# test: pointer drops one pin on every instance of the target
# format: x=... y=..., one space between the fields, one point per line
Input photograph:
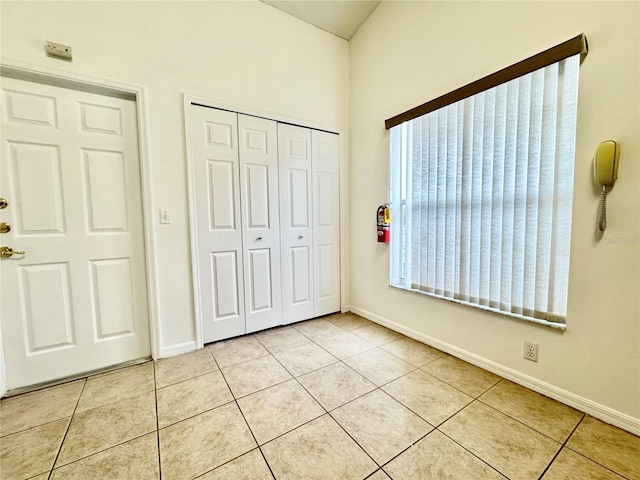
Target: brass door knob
x=5 y=227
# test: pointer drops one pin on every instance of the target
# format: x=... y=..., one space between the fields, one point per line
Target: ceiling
x=340 y=17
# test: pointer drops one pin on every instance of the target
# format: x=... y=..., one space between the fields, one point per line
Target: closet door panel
x=225 y=289
x=260 y=221
x=296 y=229
x=219 y=236
x=300 y=275
x=326 y=222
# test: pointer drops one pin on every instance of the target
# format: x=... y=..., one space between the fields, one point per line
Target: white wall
x=243 y=53
x=411 y=52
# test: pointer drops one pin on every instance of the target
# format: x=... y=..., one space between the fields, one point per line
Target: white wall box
x=265 y=222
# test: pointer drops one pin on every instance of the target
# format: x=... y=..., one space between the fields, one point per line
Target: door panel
x=219 y=235
x=325 y=286
x=222 y=204
x=257 y=184
x=260 y=221
x=300 y=276
x=326 y=222
x=106 y=191
x=226 y=286
x=113 y=298
x=295 y=219
x=100 y=119
x=299 y=198
x=37 y=188
x=261 y=294
x=46 y=297
x=77 y=300
x=30 y=108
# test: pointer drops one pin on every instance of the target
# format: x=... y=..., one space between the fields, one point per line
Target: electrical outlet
x=530 y=351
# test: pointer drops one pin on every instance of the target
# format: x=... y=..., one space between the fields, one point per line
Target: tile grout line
x=183 y=381
x=453 y=386
x=88 y=410
x=462 y=446
x=562 y=445
x=327 y=412
x=596 y=462
x=53 y=465
x=266 y=462
x=235 y=400
x=473 y=454
x=89 y=377
x=379 y=387
x=434 y=428
x=522 y=422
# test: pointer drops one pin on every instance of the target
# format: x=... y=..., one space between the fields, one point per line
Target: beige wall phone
x=605 y=170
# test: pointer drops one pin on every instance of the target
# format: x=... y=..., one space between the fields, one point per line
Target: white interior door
x=218 y=222
x=258 y=144
x=76 y=300
x=294 y=155
x=326 y=222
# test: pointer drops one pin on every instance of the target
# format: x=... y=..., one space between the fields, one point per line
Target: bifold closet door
x=218 y=222
x=294 y=155
x=326 y=222
x=257 y=140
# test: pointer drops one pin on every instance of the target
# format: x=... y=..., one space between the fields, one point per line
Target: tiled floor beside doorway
x=333 y=398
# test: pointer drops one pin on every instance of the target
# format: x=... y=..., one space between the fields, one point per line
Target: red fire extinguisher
x=383 y=221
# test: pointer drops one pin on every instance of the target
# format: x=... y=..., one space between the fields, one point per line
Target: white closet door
x=218 y=222
x=258 y=143
x=76 y=300
x=326 y=222
x=294 y=155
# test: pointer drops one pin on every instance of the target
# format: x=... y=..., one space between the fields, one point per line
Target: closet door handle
x=259 y=238
x=300 y=237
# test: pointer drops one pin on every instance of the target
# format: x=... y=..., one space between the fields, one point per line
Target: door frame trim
x=114 y=88
x=188 y=100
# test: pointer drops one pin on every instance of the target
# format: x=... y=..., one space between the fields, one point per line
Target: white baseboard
x=601 y=412
x=178 y=349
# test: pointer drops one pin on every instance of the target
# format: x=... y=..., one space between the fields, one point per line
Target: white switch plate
x=165 y=216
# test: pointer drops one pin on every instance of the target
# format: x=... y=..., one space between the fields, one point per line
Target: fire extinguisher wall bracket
x=383 y=218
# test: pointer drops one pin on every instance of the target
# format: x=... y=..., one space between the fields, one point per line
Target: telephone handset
x=605 y=172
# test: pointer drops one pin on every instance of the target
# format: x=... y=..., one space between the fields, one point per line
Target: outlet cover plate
x=530 y=351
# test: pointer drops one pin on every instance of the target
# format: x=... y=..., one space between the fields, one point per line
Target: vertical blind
x=481 y=192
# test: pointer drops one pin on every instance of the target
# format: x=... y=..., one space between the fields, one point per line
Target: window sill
x=545 y=323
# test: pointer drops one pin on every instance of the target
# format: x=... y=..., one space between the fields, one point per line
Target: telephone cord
x=602 y=210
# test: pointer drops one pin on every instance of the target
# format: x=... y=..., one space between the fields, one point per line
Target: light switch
x=165 y=216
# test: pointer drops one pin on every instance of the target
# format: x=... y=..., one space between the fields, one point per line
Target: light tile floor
x=331 y=398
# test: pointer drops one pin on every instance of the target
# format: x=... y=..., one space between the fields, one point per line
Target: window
x=481 y=194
